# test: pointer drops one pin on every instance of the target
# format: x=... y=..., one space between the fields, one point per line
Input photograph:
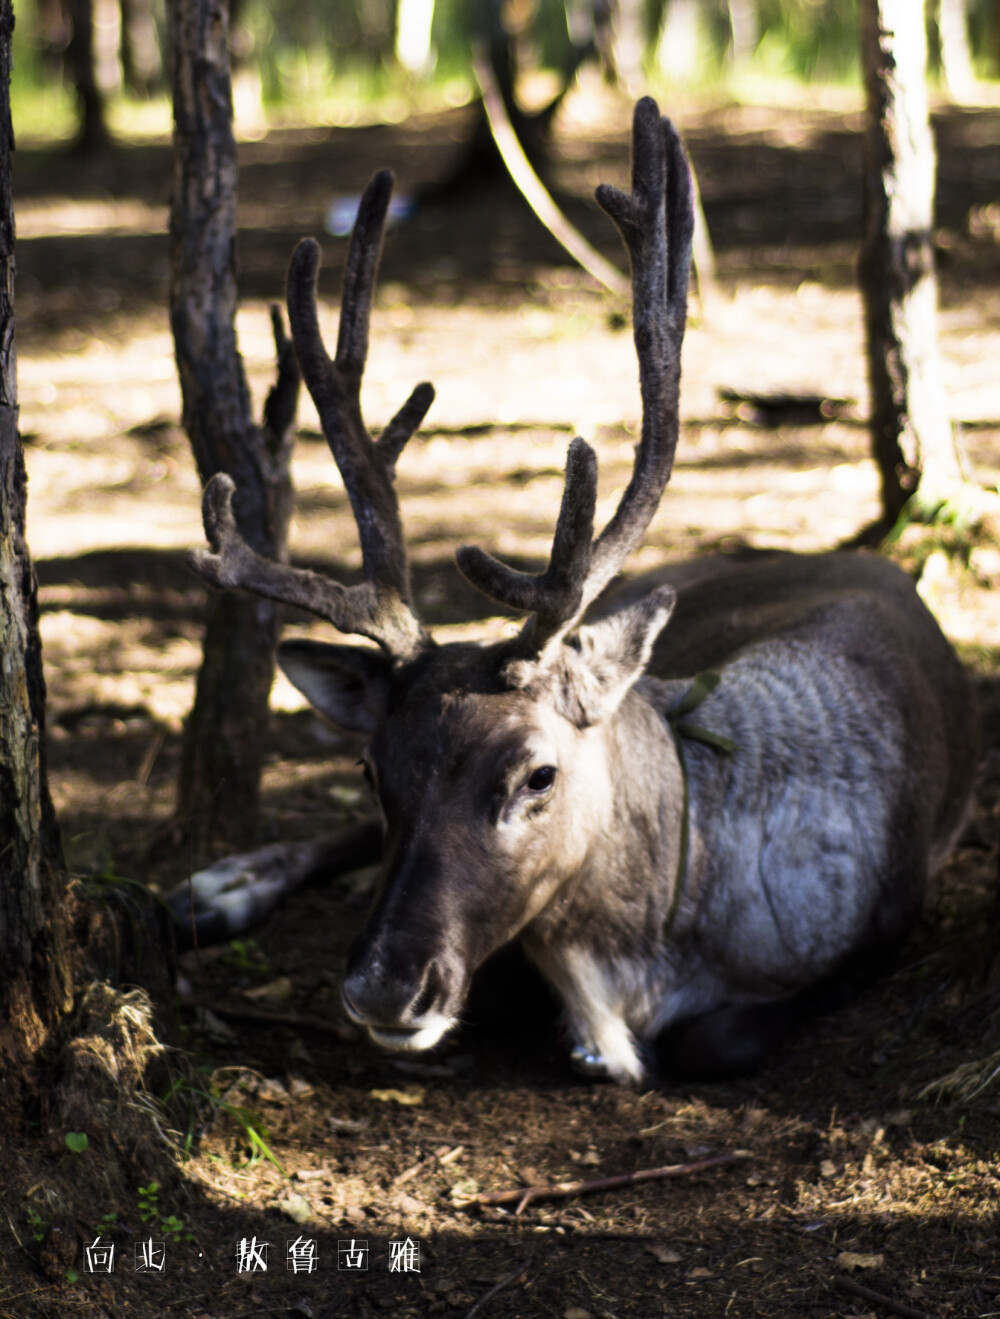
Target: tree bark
x=220 y=773
x=957 y=72
x=744 y=30
x=36 y=984
x=912 y=438
x=679 y=48
x=140 y=47
x=629 y=45
x=92 y=132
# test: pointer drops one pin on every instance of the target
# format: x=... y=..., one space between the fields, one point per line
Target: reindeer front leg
x=237 y=892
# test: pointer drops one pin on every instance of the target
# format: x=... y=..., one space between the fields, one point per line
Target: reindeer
x=705 y=809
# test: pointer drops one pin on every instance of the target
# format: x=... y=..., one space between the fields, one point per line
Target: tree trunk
x=957 y=72
x=679 y=51
x=81 y=60
x=629 y=45
x=413 y=39
x=744 y=30
x=36 y=984
x=912 y=437
x=220 y=773
x=140 y=47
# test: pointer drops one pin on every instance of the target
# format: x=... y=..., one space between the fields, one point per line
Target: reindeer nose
x=392 y=993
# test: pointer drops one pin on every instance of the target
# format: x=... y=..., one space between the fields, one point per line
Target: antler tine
x=405 y=423
x=655 y=219
x=548 y=594
x=381 y=607
x=233 y=565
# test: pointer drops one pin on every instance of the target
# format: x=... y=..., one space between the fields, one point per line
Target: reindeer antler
x=381 y=607
x=656 y=222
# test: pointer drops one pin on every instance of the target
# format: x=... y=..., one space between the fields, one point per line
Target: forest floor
x=849 y=1171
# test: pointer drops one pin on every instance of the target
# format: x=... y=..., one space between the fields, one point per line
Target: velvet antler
x=381 y=607
x=656 y=221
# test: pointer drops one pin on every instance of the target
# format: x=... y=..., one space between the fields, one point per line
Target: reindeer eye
x=542 y=779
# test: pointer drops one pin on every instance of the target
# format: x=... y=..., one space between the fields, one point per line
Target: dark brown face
x=476 y=787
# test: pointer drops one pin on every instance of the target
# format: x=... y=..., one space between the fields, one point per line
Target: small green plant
x=149 y=1207
x=245 y=955
x=107 y=875
x=153 y=1216
x=71 y=1275
x=76 y=1141
x=255 y=1132
x=37 y=1224
x=174 y=1228
x=107 y=1223
x=213 y=1097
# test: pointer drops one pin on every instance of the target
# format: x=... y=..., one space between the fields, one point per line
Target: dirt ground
x=854 y=1191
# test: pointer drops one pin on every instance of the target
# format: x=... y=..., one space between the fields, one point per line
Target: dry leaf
x=848 y=1260
x=828 y=1168
x=464 y=1192
x=664 y=1255
x=414 y=1094
x=700 y=1273
x=347 y=1124
x=297 y=1207
x=271 y=1091
x=574 y=1312
x=275 y=991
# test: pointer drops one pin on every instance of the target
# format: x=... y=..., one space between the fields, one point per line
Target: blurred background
x=349 y=61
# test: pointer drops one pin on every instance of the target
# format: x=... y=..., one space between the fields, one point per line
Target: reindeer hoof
x=587 y=1063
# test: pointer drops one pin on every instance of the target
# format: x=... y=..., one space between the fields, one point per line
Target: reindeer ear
x=612 y=654
x=347 y=684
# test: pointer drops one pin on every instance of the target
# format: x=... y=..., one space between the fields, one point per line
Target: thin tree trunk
x=679 y=49
x=744 y=30
x=629 y=45
x=36 y=983
x=140 y=47
x=413 y=44
x=220 y=773
x=81 y=60
x=957 y=72
x=912 y=438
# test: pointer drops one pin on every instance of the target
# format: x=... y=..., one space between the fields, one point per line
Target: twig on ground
x=412 y=1171
x=497 y=1287
x=149 y=759
x=342 y=1030
x=523 y=1195
x=879 y=1298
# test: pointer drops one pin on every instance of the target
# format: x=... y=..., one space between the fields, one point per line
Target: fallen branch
x=497 y=1287
x=533 y=190
x=879 y=1298
x=296 y=1020
x=523 y=1195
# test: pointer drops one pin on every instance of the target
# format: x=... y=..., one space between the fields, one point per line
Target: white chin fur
x=414 y=1041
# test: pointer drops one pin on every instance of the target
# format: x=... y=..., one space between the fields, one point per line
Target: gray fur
x=855 y=749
